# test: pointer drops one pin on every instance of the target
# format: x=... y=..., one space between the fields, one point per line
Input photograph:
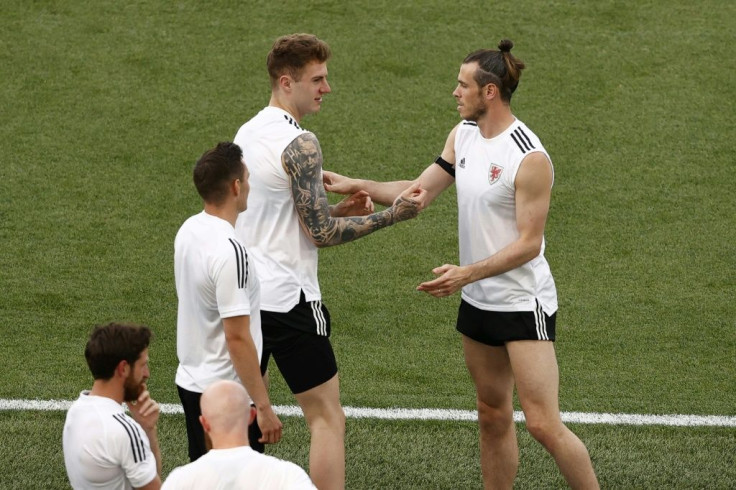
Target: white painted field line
x=434 y=414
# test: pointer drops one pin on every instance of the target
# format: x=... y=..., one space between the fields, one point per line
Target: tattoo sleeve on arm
x=302 y=161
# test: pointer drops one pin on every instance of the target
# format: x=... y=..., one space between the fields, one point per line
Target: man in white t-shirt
x=231 y=463
x=104 y=447
x=287 y=220
x=218 y=322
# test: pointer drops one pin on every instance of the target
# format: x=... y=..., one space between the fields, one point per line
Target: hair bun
x=505 y=45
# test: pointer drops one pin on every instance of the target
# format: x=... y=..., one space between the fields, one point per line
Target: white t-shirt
x=238 y=468
x=285 y=257
x=485 y=174
x=215 y=279
x=105 y=448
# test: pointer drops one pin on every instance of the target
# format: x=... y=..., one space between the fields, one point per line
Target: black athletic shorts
x=498 y=327
x=299 y=343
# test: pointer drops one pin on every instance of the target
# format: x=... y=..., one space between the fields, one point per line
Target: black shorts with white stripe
x=495 y=328
x=307 y=316
x=299 y=343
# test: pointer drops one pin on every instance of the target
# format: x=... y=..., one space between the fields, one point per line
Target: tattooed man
x=287 y=220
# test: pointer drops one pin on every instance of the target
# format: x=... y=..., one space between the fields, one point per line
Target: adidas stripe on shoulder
x=241 y=258
x=522 y=140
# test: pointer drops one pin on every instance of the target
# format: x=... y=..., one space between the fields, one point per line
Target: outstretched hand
x=339 y=184
x=451 y=279
x=359 y=204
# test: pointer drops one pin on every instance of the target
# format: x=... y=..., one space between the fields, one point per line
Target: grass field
x=106 y=106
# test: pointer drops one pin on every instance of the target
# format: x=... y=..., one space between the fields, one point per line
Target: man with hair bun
x=508 y=304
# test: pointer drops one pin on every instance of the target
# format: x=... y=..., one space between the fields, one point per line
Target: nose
x=326 y=88
x=455 y=92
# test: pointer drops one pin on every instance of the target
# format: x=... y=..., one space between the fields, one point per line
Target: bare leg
x=494 y=383
x=326 y=421
x=537 y=382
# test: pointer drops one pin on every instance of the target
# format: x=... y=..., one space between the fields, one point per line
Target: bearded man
x=103 y=446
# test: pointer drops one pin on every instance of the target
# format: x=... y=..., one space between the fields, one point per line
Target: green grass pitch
x=105 y=106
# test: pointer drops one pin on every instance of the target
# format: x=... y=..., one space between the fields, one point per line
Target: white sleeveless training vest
x=485 y=171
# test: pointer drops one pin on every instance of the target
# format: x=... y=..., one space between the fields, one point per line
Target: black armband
x=446 y=166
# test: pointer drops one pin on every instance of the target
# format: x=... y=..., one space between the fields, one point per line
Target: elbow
x=532 y=251
x=535 y=251
x=233 y=340
x=324 y=235
x=319 y=240
x=327 y=233
x=320 y=243
x=316 y=235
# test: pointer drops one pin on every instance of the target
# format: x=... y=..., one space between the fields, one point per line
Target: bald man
x=231 y=463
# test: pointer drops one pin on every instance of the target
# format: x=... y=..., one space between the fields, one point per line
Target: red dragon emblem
x=494 y=174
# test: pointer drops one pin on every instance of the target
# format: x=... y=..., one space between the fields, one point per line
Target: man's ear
x=490 y=91
x=123 y=369
x=252 y=415
x=285 y=82
x=205 y=424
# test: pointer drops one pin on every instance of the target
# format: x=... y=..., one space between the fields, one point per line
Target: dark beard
x=131 y=390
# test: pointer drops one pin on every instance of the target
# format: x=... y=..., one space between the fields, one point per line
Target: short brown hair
x=114 y=342
x=500 y=68
x=215 y=169
x=291 y=53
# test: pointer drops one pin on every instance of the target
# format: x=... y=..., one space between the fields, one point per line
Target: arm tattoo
x=302 y=161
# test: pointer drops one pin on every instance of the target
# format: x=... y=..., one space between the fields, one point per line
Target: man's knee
x=494 y=419
x=332 y=417
x=325 y=415
x=546 y=430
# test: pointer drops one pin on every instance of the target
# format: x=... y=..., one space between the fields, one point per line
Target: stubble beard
x=477 y=114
